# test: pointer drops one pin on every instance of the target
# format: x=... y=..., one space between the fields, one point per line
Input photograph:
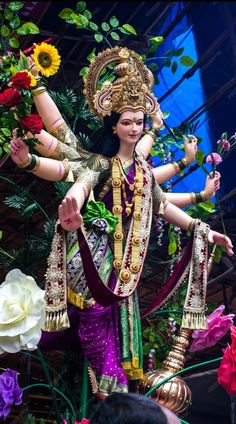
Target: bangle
x=34 y=165
x=38 y=90
x=151 y=134
x=66 y=170
x=199 y=198
x=26 y=162
x=181 y=165
x=193 y=197
x=191 y=225
x=176 y=166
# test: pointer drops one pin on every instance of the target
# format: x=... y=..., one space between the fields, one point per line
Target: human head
x=105 y=141
x=131 y=408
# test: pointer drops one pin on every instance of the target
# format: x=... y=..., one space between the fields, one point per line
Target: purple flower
x=10 y=392
x=214 y=158
x=224 y=144
x=217 y=327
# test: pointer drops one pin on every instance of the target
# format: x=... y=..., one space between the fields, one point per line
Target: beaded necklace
x=132 y=265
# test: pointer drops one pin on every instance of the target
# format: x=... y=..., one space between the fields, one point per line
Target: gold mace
x=174 y=393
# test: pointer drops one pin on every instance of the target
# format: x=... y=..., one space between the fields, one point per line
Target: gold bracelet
x=151 y=135
x=175 y=165
x=66 y=169
x=191 y=225
x=38 y=90
x=193 y=197
x=26 y=162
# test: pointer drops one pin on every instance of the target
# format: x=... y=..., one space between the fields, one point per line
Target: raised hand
x=157 y=121
x=19 y=150
x=190 y=148
x=221 y=240
x=69 y=214
x=212 y=185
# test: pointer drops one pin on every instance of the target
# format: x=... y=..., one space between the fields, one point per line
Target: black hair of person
x=128 y=408
x=104 y=141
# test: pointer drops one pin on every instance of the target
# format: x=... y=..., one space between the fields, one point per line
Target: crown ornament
x=131 y=90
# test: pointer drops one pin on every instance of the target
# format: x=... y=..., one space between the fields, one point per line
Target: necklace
x=128 y=205
x=127 y=267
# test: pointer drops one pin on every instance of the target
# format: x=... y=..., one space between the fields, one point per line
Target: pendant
x=131 y=187
x=128 y=210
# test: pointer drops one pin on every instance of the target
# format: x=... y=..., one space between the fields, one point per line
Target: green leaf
x=115 y=36
x=14 y=43
x=172 y=246
x=8 y=14
x=6 y=148
x=169 y=52
x=165 y=115
x=80 y=6
x=91 y=55
x=15 y=5
x=0 y=235
x=167 y=63
x=105 y=26
x=174 y=67
x=5 y=31
x=217 y=255
x=186 y=61
x=98 y=37
x=123 y=30
x=114 y=22
x=129 y=29
x=156 y=79
x=6 y=132
x=153 y=66
x=83 y=72
x=87 y=14
x=23 y=62
x=79 y=20
x=199 y=157
x=93 y=26
x=179 y=51
x=65 y=13
x=15 y=22
x=157 y=40
x=27 y=28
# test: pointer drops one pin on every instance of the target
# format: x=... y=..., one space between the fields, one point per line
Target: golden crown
x=131 y=90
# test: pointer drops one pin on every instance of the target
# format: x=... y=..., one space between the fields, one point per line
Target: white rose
x=22 y=312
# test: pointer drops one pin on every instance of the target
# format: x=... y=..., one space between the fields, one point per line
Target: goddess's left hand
x=222 y=240
x=157 y=119
x=190 y=148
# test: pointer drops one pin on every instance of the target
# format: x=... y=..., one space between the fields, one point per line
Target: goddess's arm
x=176 y=216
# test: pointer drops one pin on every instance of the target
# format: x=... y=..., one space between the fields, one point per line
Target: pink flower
x=226 y=373
x=217 y=327
x=224 y=144
x=214 y=158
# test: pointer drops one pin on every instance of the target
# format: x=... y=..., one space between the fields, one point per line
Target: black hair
x=128 y=408
x=104 y=141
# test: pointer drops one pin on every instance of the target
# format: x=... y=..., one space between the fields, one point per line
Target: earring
x=114 y=130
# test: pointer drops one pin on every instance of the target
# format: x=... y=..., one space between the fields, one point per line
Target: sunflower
x=46 y=59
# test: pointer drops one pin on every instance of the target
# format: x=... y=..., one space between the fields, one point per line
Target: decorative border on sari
x=192 y=266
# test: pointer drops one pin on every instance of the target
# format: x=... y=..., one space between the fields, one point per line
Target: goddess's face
x=129 y=128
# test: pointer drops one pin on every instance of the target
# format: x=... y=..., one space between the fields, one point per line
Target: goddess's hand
x=190 y=148
x=212 y=185
x=19 y=150
x=69 y=214
x=221 y=240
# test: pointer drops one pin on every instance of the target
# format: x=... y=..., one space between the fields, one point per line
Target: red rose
x=32 y=123
x=21 y=80
x=10 y=97
x=226 y=372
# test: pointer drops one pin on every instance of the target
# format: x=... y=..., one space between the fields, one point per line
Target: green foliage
x=201 y=210
x=11 y=25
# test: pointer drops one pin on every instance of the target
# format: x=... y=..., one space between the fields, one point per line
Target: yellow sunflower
x=46 y=59
x=33 y=82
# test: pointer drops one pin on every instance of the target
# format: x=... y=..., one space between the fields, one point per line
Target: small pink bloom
x=214 y=158
x=217 y=327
